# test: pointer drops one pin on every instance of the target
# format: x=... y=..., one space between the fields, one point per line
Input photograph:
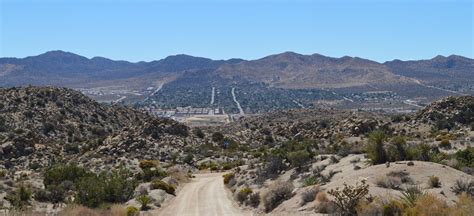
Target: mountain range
x=286 y=70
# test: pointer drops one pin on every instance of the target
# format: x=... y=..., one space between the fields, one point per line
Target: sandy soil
x=204 y=195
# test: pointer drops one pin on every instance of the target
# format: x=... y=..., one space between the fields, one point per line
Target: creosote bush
x=464 y=186
x=253 y=200
x=277 y=194
x=92 y=190
x=132 y=211
x=158 y=184
x=227 y=177
x=309 y=195
x=20 y=197
x=243 y=194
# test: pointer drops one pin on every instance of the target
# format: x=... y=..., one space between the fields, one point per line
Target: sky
x=144 y=30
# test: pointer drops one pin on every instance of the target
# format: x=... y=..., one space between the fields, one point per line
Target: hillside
x=292 y=70
x=278 y=75
x=42 y=126
x=66 y=69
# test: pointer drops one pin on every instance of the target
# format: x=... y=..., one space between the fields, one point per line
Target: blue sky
x=137 y=30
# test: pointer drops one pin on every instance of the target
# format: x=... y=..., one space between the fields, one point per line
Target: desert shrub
x=119 y=186
x=90 y=191
x=198 y=132
x=464 y=186
x=434 y=182
x=158 y=184
x=217 y=137
x=144 y=201
x=445 y=144
x=397 y=118
x=375 y=147
x=389 y=182
x=396 y=151
x=299 y=158
x=3 y=173
x=310 y=181
x=148 y=164
x=150 y=174
x=324 y=204
x=132 y=211
x=42 y=195
x=54 y=194
x=392 y=208
x=253 y=200
x=410 y=195
x=309 y=195
x=227 y=177
x=60 y=173
x=422 y=152
x=465 y=157
x=464 y=206
x=277 y=194
x=272 y=168
x=402 y=175
x=178 y=129
x=428 y=204
x=349 y=196
x=443 y=123
x=243 y=194
x=188 y=159
x=20 y=197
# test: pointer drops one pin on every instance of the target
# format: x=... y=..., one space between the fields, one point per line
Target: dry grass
x=322 y=197
x=77 y=210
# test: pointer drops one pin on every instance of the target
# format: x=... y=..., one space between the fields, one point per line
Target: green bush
x=19 y=198
x=60 y=173
x=144 y=200
x=132 y=211
x=148 y=164
x=119 y=186
x=445 y=144
x=198 y=132
x=375 y=147
x=150 y=174
x=158 y=184
x=465 y=157
x=299 y=158
x=91 y=191
x=310 y=181
x=227 y=177
x=217 y=137
x=243 y=194
x=397 y=149
x=434 y=182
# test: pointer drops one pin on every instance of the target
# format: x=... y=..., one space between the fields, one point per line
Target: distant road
x=298 y=103
x=236 y=102
x=212 y=95
x=120 y=99
x=156 y=91
x=434 y=87
x=204 y=195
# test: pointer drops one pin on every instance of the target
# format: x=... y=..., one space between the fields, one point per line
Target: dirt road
x=204 y=195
